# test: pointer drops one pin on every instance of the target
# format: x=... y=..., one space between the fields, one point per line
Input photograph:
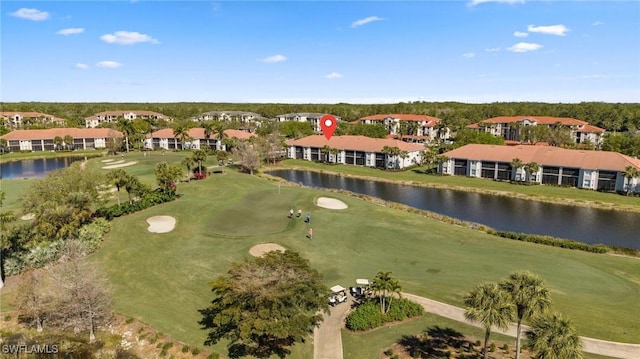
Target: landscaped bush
x=368 y=315
x=148 y=200
x=551 y=241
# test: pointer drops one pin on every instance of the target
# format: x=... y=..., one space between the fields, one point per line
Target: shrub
x=213 y=356
x=505 y=347
x=129 y=320
x=147 y=200
x=492 y=347
x=185 y=348
x=167 y=345
x=195 y=351
x=388 y=352
x=368 y=315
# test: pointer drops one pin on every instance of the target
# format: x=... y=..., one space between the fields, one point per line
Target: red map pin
x=328 y=125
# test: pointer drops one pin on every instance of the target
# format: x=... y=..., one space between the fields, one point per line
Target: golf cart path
x=327 y=338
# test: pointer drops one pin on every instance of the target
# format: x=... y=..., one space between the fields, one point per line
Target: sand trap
x=161 y=224
x=331 y=203
x=261 y=249
x=126 y=164
x=109 y=160
x=28 y=217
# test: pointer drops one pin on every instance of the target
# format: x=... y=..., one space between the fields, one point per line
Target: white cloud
x=366 y=21
x=478 y=2
x=109 y=64
x=558 y=30
x=127 y=38
x=81 y=66
x=31 y=14
x=492 y=49
x=333 y=75
x=273 y=59
x=71 y=31
x=469 y=55
x=520 y=34
x=598 y=23
x=524 y=47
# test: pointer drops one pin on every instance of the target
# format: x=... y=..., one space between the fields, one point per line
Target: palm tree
x=126 y=127
x=490 y=305
x=68 y=142
x=5 y=218
x=392 y=152
x=630 y=173
x=554 y=337
x=325 y=153
x=334 y=152
x=199 y=156
x=218 y=130
x=181 y=132
x=118 y=178
x=516 y=163
x=57 y=141
x=188 y=163
x=530 y=297
x=531 y=168
x=208 y=130
x=383 y=284
x=2 y=197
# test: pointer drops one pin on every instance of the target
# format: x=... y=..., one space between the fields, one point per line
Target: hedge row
x=148 y=200
x=551 y=241
x=368 y=315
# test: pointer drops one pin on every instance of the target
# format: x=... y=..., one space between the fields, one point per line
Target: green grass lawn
x=162 y=279
x=539 y=192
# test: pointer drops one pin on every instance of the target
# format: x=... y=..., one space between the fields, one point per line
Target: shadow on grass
x=438 y=342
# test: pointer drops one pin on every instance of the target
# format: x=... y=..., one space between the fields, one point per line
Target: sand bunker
x=126 y=164
x=28 y=217
x=161 y=224
x=260 y=249
x=331 y=203
x=109 y=160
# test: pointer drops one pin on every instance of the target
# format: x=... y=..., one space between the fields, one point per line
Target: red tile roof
x=402 y=117
x=543 y=120
x=354 y=143
x=198 y=133
x=546 y=156
x=124 y=112
x=53 y=132
x=590 y=129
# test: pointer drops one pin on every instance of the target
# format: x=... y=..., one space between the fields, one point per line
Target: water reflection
x=34 y=168
x=588 y=225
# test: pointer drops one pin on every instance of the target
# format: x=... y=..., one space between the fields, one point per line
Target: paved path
x=590 y=345
x=327 y=338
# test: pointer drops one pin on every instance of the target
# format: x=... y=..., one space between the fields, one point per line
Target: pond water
x=587 y=225
x=34 y=168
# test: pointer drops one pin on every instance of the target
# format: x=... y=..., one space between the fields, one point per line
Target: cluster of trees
x=265 y=305
x=72 y=296
x=529 y=168
x=523 y=296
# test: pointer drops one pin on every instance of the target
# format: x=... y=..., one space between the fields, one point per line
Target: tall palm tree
x=383 y=284
x=530 y=297
x=490 y=305
x=531 y=168
x=554 y=337
x=208 y=130
x=126 y=127
x=392 y=152
x=188 y=163
x=181 y=132
x=118 y=178
x=68 y=142
x=630 y=173
x=199 y=156
x=57 y=141
x=516 y=164
x=5 y=218
x=218 y=130
x=325 y=153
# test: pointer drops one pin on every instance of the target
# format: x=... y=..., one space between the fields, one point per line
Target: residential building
x=196 y=139
x=354 y=150
x=20 y=119
x=230 y=116
x=510 y=127
x=44 y=140
x=114 y=116
x=596 y=170
x=410 y=127
x=311 y=117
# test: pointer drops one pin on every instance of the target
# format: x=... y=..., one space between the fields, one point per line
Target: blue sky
x=320 y=52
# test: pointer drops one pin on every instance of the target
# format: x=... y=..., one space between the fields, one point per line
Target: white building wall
x=25 y=145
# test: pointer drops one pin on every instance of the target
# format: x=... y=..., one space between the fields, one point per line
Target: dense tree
x=630 y=173
x=199 y=156
x=292 y=129
x=5 y=243
x=181 y=132
x=530 y=297
x=34 y=299
x=554 y=337
x=68 y=142
x=531 y=168
x=249 y=156
x=465 y=137
x=490 y=305
x=167 y=175
x=271 y=146
x=265 y=305
x=385 y=286
x=126 y=127
x=57 y=141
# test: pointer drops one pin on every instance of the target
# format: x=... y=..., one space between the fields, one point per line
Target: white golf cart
x=361 y=289
x=338 y=295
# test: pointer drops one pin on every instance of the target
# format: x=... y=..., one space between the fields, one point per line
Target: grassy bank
x=17 y=156
x=418 y=177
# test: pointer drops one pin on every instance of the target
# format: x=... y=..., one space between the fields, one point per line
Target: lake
x=587 y=225
x=34 y=168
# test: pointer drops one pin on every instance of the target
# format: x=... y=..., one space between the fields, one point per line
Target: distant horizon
x=309 y=52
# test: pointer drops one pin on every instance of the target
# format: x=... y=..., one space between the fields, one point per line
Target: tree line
x=614 y=117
